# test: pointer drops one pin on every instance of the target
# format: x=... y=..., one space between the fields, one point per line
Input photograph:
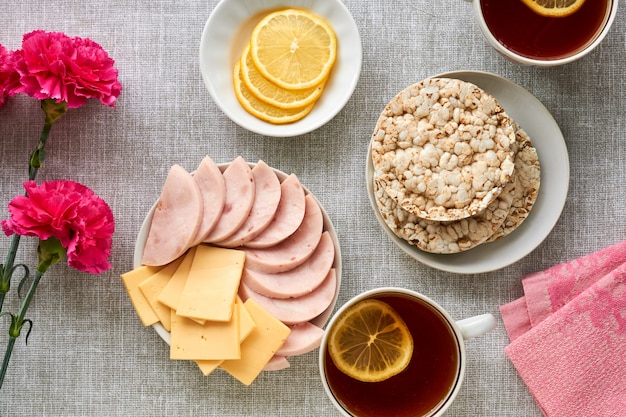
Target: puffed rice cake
x=445 y=237
x=443 y=149
x=524 y=187
x=500 y=218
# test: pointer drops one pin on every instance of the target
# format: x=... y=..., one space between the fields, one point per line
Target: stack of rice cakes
x=451 y=169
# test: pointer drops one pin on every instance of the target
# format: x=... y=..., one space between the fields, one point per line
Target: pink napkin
x=568 y=335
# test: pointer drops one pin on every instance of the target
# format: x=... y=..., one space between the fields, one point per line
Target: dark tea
x=423 y=386
x=529 y=34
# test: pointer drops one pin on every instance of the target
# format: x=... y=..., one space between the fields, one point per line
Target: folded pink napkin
x=568 y=335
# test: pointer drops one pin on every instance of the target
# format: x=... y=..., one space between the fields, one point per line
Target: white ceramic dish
x=229 y=28
x=547 y=138
x=319 y=321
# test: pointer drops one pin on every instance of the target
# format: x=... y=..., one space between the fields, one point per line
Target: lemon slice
x=370 y=342
x=293 y=49
x=271 y=93
x=261 y=109
x=554 y=8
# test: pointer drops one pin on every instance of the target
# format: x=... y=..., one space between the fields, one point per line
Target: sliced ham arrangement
x=289 y=271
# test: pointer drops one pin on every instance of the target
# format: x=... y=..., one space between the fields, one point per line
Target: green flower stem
x=50 y=252
x=17 y=322
x=53 y=112
x=6 y=270
x=7 y=357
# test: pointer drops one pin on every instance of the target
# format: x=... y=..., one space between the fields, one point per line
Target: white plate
x=547 y=138
x=229 y=28
x=319 y=321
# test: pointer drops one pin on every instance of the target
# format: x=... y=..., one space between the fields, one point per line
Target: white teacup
x=596 y=35
x=438 y=360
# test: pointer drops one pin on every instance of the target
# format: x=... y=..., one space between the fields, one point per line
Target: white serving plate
x=547 y=138
x=226 y=33
x=319 y=321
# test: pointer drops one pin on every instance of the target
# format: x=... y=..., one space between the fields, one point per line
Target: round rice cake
x=442 y=237
x=443 y=149
x=524 y=187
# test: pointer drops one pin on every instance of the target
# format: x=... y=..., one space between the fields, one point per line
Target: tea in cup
x=431 y=379
x=526 y=36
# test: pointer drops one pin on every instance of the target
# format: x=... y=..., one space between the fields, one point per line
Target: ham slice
x=294 y=250
x=288 y=217
x=239 y=199
x=175 y=220
x=304 y=337
x=213 y=191
x=266 y=200
x=297 y=281
x=296 y=310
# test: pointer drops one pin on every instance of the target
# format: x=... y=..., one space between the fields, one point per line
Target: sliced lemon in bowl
x=261 y=109
x=271 y=93
x=370 y=342
x=554 y=8
x=294 y=49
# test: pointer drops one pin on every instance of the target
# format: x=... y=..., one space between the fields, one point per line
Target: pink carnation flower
x=71 y=213
x=9 y=78
x=52 y=65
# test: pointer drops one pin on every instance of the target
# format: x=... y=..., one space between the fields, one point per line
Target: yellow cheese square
x=212 y=284
x=131 y=280
x=209 y=341
x=171 y=292
x=207 y=367
x=152 y=287
x=266 y=338
x=246 y=324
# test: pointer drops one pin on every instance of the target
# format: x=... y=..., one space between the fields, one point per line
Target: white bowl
x=226 y=33
x=547 y=138
x=319 y=321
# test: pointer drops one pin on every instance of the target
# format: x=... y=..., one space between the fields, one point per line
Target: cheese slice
x=246 y=325
x=131 y=280
x=171 y=292
x=212 y=340
x=259 y=347
x=246 y=321
x=152 y=287
x=212 y=284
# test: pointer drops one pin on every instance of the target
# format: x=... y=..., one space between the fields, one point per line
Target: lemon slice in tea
x=370 y=342
x=554 y=8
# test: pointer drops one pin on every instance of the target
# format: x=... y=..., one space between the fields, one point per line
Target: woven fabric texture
x=89 y=355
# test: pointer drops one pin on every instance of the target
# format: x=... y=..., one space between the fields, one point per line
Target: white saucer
x=547 y=138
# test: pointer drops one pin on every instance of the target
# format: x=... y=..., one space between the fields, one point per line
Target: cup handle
x=476 y=326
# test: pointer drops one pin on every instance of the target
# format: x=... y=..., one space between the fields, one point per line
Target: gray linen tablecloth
x=89 y=355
